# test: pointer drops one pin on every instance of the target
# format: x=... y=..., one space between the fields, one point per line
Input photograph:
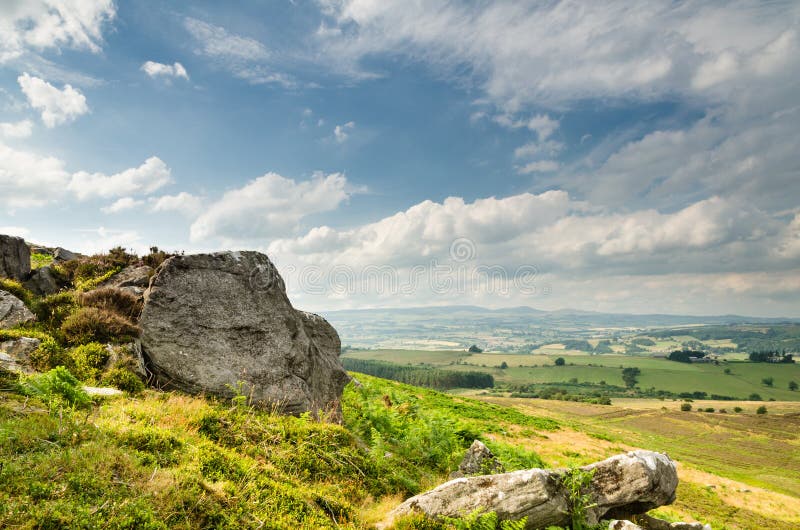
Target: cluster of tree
x=771 y=356
x=475 y=349
x=629 y=376
x=685 y=356
x=413 y=375
x=577 y=344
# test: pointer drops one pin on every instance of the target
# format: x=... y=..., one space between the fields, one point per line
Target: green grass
x=40 y=260
x=166 y=460
x=744 y=380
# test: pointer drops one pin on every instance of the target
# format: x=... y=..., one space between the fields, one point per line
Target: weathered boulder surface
x=15 y=354
x=212 y=321
x=15 y=258
x=43 y=281
x=622 y=485
x=133 y=278
x=62 y=254
x=13 y=311
x=479 y=460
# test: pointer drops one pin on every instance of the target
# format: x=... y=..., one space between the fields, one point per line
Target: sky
x=608 y=156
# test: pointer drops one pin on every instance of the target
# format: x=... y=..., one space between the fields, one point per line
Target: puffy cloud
x=342 y=132
x=154 y=69
x=427 y=229
x=692 y=260
x=20 y=129
x=28 y=179
x=57 y=106
x=269 y=206
x=184 y=203
x=44 y=24
x=147 y=178
x=120 y=205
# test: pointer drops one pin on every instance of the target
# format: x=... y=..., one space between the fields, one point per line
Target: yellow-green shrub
x=88 y=360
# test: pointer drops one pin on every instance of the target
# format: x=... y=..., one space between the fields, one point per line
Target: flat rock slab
x=222 y=323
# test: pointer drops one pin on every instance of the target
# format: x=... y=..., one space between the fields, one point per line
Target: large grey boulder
x=15 y=258
x=13 y=311
x=213 y=321
x=620 y=486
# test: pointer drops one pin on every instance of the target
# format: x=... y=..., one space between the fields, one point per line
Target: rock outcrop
x=479 y=460
x=13 y=312
x=214 y=321
x=627 y=484
x=15 y=354
x=15 y=258
x=62 y=254
x=133 y=279
x=43 y=281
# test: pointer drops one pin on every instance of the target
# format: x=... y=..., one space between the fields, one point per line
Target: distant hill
x=453 y=326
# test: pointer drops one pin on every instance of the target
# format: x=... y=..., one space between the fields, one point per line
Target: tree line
x=771 y=356
x=413 y=375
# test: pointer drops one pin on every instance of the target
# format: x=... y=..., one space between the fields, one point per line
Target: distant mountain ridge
x=459 y=326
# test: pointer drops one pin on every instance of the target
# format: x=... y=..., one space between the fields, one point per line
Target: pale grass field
x=595 y=432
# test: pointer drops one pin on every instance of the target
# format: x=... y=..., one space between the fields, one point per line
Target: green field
x=745 y=377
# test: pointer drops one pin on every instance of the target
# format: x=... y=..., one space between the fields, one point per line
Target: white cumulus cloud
x=20 y=129
x=145 y=179
x=120 y=205
x=154 y=69
x=183 y=203
x=269 y=206
x=56 y=106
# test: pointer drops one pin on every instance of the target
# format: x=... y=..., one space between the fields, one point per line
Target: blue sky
x=629 y=156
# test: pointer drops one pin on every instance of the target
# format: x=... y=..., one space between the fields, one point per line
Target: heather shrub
x=90 y=324
x=114 y=300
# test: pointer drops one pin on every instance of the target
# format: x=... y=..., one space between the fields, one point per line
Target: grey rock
x=43 y=281
x=62 y=254
x=133 y=278
x=15 y=354
x=622 y=485
x=617 y=524
x=213 y=321
x=479 y=460
x=15 y=258
x=13 y=311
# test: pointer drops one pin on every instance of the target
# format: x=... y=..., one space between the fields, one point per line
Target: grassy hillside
x=169 y=460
